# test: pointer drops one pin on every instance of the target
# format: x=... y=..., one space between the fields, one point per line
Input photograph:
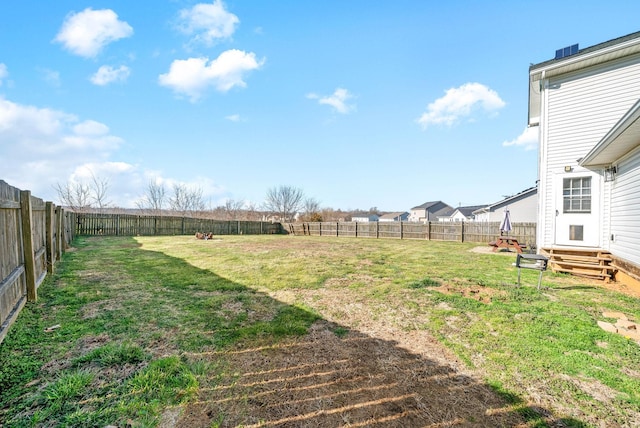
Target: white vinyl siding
x=583 y=109
x=625 y=210
x=578 y=110
x=524 y=210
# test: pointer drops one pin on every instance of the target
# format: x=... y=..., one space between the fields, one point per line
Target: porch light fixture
x=610 y=174
x=568 y=168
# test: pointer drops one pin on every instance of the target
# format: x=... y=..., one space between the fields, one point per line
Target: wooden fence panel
x=92 y=224
x=389 y=229
x=38 y=232
x=481 y=232
x=446 y=231
x=13 y=288
x=347 y=229
x=30 y=245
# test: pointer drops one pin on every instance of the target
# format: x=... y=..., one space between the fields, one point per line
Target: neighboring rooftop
x=508 y=199
x=427 y=205
x=392 y=216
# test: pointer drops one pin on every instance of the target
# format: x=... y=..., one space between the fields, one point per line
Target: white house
x=460 y=214
x=586 y=106
x=364 y=217
x=523 y=208
x=429 y=211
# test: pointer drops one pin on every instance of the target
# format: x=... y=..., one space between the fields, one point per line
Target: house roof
x=465 y=211
x=620 y=140
x=364 y=214
x=468 y=211
x=427 y=205
x=594 y=55
x=391 y=216
x=508 y=200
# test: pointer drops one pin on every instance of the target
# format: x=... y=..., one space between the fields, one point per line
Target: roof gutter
x=606 y=54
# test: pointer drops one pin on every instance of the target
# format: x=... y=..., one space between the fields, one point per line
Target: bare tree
x=99 y=188
x=186 y=200
x=285 y=201
x=154 y=199
x=232 y=209
x=311 y=210
x=252 y=211
x=83 y=196
x=329 y=214
x=76 y=196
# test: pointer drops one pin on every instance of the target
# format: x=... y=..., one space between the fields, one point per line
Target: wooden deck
x=593 y=263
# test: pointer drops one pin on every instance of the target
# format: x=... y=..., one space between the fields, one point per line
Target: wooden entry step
x=588 y=262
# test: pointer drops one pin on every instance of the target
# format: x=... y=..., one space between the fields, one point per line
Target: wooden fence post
x=27 y=239
x=462 y=231
x=59 y=227
x=428 y=231
x=49 y=217
x=401 y=231
x=337 y=229
x=67 y=224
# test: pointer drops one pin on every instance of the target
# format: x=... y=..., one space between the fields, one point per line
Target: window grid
x=576 y=195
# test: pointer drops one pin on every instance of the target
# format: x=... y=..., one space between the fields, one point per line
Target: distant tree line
x=282 y=203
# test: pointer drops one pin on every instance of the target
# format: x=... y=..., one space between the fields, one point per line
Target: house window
x=576 y=195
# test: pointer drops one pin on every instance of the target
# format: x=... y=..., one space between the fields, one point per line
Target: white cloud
x=4 y=73
x=91 y=128
x=40 y=132
x=233 y=117
x=96 y=169
x=107 y=74
x=338 y=100
x=193 y=76
x=208 y=22
x=86 y=33
x=52 y=77
x=43 y=147
x=461 y=102
x=527 y=140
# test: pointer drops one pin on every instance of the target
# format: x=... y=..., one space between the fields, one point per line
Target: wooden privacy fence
x=143 y=225
x=482 y=232
x=33 y=236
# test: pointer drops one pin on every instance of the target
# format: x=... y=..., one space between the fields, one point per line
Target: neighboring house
x=429 y=211
x=523 y=208
x=399 y=216
x=364 y=217
x=460 y=214
x=587 y=108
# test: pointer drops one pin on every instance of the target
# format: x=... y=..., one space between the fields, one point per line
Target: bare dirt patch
x=353 y=379
x=479 y=293
x=364 y=364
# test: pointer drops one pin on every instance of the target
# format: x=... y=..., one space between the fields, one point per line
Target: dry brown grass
x=357 y=380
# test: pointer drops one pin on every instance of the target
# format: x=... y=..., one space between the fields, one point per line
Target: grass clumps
x=151 y=325
x=425 y=282
x=113 y=354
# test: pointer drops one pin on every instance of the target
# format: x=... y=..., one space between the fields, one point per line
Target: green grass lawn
x=138 y=315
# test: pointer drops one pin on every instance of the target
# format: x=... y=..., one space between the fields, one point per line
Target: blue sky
x=358 y=103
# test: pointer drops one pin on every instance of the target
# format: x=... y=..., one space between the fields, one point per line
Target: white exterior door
x=577 y=209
